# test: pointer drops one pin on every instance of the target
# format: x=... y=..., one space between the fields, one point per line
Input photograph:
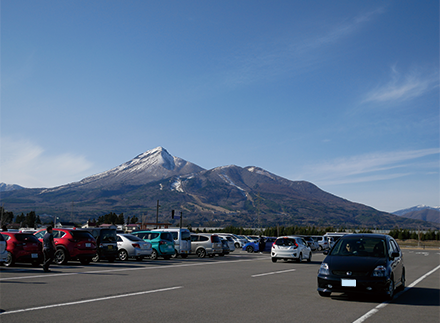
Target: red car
x=22 y=247
x=71 y=245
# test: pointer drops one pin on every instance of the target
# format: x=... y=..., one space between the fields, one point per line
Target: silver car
x=291 y=247
x=206 y=244
x=130 y=246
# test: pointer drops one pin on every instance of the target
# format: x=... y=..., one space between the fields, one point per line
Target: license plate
x=110 y=247
x=348 y=282
x=88 y=245
x=34 y=255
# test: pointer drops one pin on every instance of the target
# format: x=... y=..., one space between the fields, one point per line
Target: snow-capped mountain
x=226 y=195
x=421 y=212
x=152 y=165
x=9 y=187
x=416 y=209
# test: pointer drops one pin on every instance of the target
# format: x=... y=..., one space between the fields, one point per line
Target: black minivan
x=106 y=243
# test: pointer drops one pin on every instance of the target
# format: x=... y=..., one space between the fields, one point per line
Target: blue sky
x=343 y=94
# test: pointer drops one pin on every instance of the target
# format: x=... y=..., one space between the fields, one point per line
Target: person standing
x=48 y=249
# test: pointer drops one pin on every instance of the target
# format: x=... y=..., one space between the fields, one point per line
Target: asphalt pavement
x=239 y=287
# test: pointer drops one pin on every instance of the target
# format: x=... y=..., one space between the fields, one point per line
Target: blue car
x=255 y=246
x=161 y=242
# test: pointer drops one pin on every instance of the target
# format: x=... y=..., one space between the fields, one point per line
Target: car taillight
x=162 y=242
x=296 y=246
x=136 y=245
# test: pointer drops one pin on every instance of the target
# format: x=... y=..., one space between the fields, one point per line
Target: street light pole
x=157 y=213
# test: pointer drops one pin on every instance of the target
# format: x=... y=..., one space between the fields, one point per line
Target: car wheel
x=250 y=249
x=140 y=258
x=300 y=257
x=402 y=280
x=84 y=261
x=153 y=254
x=325 y=294
x=201 y=253
x=274 y=259
x=60 y=257
x=390 y=293
x=123 y=255
x=175 y=254
x=320 y=248
x=310 y=257
x=95 y=258
x=237 y=245
x=9 y=260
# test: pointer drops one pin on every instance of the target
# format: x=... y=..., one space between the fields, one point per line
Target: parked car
x=22 y=247
x=107 y=247
x=161 y=242
x=239 y=241
x=311 y=243
x=3 y=251
x=362 y=263
x=130 y=246
x=182 y=241
x=229 y=239
x=255 y=246
x=71 y=245
x=206 y=244
x=290 y=247
x=322 y=242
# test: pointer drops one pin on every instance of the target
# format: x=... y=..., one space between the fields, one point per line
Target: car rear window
x=81 y=235
x=26 y=238
x=285 y=242
x=108 y=235
x=215 y=239
x=133 y=238
x=166 y=236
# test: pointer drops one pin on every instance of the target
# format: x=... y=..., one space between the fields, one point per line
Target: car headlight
x=324 y=269
x=379 y=271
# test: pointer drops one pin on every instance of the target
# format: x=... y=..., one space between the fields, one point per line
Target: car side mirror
x=395 y=254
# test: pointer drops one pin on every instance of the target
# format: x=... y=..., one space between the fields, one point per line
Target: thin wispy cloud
x=368 y=167
x=403 y=88
x=29 y=165
x=291 y=54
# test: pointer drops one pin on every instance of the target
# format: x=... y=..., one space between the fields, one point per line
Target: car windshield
x=360 y=247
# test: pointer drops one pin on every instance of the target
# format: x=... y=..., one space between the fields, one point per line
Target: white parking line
x=128 y=269
x=382 y=305
x=90 y=300
x=273 y=273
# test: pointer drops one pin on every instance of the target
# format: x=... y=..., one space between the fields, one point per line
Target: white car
x=322 y=241
x=130 y=246
x=3 y=251
x=290 y=247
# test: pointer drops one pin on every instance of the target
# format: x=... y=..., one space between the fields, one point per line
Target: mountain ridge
x=225 y=195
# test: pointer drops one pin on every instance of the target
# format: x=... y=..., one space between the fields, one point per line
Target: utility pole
x=157 y=213
x=181 y=216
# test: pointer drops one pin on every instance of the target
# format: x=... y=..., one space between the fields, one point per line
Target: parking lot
x=239 y=287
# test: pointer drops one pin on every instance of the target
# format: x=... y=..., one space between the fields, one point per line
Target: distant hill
x=9 y=187
x=227 y=195
x=421 y=212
